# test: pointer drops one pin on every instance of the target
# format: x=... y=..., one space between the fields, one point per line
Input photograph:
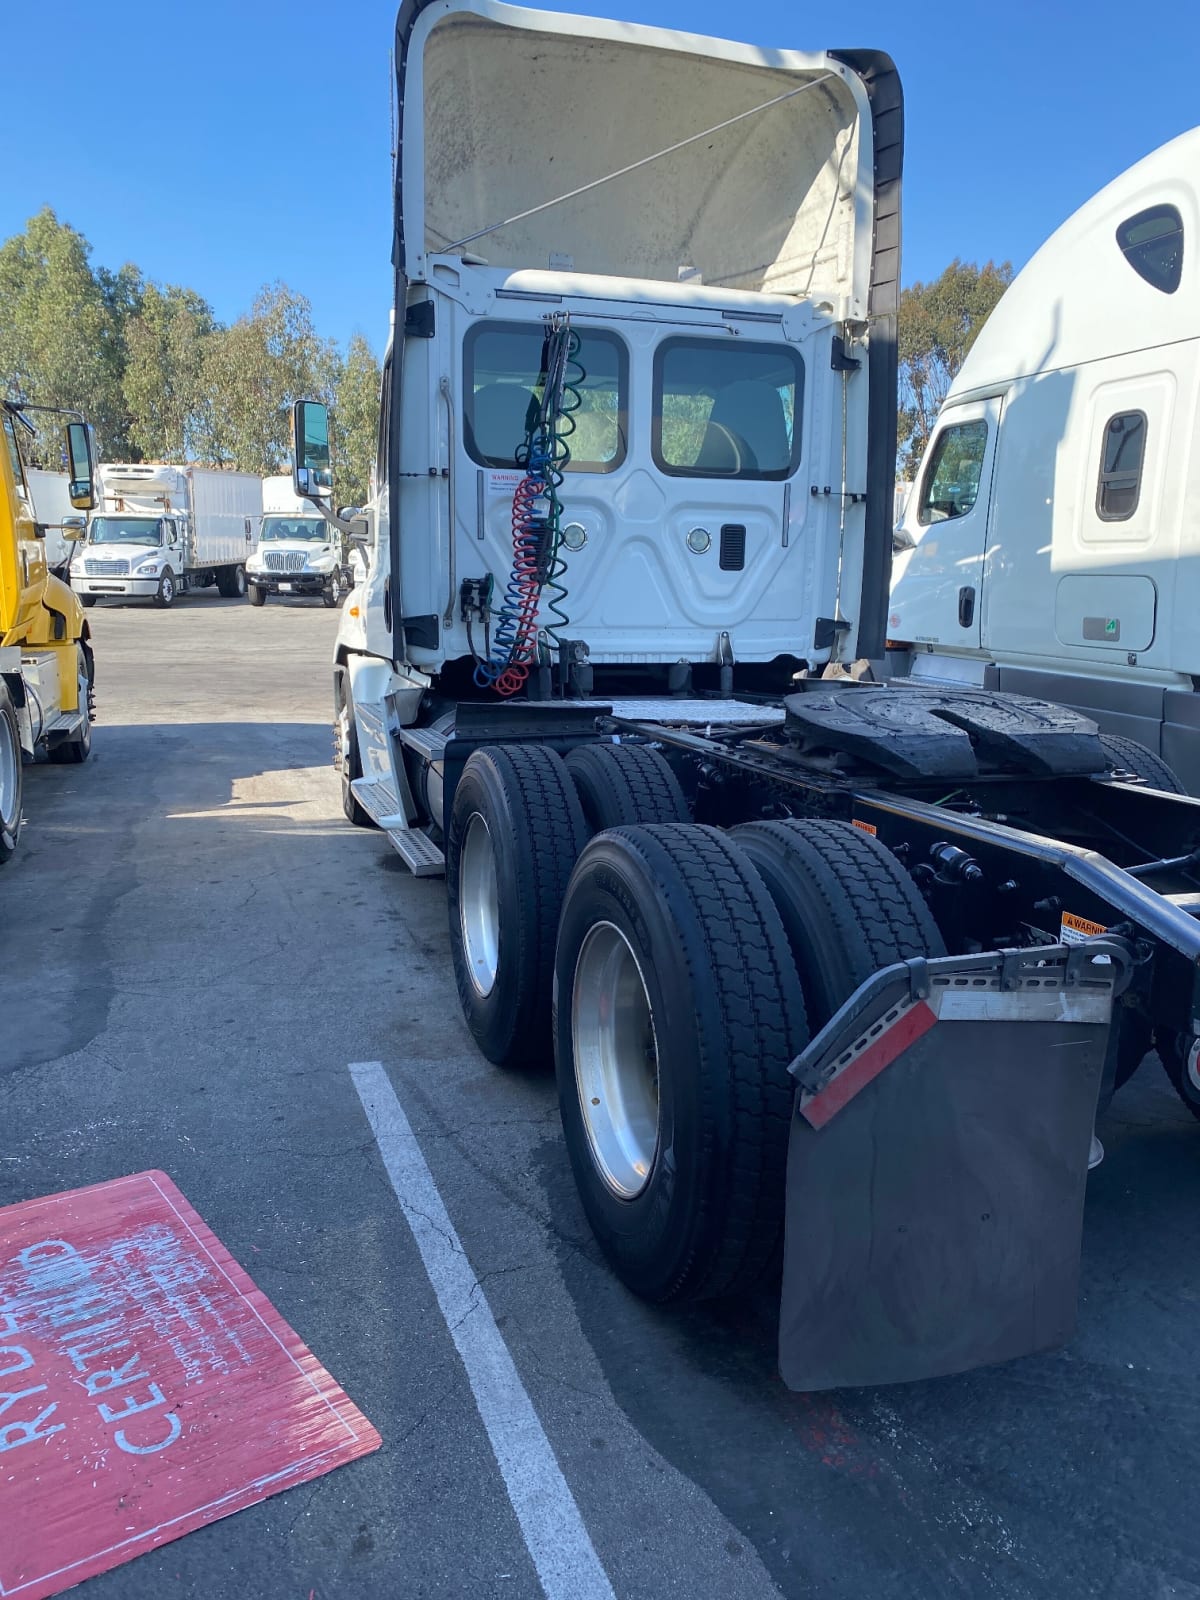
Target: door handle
x=966 y=607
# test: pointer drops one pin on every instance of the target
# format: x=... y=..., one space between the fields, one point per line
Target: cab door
x=940 y=544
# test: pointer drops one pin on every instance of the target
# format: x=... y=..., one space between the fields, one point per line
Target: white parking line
x=562 y=1552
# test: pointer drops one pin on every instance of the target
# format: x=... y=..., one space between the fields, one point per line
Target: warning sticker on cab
x=1074 y=930
x=867 y=827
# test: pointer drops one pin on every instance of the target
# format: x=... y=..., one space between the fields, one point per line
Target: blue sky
x=171 y=134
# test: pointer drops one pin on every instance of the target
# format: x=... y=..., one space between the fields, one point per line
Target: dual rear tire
x=676 y=970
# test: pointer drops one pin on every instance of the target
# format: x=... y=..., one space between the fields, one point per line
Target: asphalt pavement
x=195 y=948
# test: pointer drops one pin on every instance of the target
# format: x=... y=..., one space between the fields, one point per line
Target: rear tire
x=255 y=595
x=678 y=1012
x=1172 y=1052
x=515 y=832
x=12 y=778
x=231 y=582
x=848 y=906
x=621 y=785
x=1128 y=756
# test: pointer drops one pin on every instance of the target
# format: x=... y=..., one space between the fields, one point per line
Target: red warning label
x=146 y=1386
x=867 y=827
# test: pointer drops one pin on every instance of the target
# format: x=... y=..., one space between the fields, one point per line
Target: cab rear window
x=503 y=362
x=725 y=410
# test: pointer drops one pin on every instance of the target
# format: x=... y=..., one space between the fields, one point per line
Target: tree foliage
x=356 y=413
x=251 y=373
x=155 y=372
x=164 y=357
x=939 y=322
x=60 y=333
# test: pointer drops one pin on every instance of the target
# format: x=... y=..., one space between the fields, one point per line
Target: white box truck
x=161 y=530
x=1053 y=541
x=50 y=493
x=299 y=552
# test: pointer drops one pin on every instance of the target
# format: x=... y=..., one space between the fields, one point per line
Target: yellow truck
x=46 y=665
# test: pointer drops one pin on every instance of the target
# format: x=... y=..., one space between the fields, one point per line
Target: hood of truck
x=506 y=111
x=113 y=550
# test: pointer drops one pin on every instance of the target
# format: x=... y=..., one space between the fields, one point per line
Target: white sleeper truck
x=299 y=552
x=1052 y=545
x=163 y=530
x=832 y=970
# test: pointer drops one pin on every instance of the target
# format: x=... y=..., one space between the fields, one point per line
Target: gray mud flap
x=937 y=1165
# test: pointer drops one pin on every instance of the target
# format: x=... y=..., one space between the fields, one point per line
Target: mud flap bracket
x=937 y=1165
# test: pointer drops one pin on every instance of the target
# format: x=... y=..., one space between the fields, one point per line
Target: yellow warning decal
x=1074 y=930
x=867 y=827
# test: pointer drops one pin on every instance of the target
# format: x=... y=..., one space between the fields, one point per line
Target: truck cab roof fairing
x=503 y=110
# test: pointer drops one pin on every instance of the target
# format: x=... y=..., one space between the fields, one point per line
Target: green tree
x=60 y=327
x=939 y=322
x=165 y=341
x=251 y=372
x=356 y=421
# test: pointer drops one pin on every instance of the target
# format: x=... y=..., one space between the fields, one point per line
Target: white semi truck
x=161 y=530
x=630 y=537
x=299 y=552
x=1053 y=544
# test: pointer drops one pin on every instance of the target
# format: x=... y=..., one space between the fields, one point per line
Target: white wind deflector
x=536 y=140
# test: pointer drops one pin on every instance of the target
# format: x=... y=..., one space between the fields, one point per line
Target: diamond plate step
x=378 y=799
x=423 y=858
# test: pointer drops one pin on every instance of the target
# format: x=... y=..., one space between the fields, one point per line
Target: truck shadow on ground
x=1057 y=1475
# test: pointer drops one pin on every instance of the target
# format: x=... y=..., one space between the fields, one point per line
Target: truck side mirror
x=74 y=529
x=82 y=491
x=312 y=471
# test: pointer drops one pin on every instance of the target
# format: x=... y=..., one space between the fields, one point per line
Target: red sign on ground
x=146 y=1386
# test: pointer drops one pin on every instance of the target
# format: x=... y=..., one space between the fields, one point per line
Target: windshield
x=125 y=530
x=310 y=528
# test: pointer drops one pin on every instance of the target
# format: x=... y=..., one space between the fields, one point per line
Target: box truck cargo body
x=50 y=493
x=161 y=530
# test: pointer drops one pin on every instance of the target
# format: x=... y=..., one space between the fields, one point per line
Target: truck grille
x=284 y=560
x=106 y=569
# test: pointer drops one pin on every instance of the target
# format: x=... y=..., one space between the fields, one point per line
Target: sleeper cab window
x=1152 y=243
x=727 y=410
x=1122 y=451
x=951 y=483
x=503 y=381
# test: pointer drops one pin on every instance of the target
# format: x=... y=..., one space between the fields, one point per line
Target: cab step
x=417 y=850
x=378 y=799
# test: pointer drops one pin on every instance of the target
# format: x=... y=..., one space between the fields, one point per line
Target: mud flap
x=937 y=1165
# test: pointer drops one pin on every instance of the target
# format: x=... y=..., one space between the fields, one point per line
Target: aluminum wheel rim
x=85 y=700
x=616 y=1060
x=168 y=589
x=479 y=906
x=10 y=757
